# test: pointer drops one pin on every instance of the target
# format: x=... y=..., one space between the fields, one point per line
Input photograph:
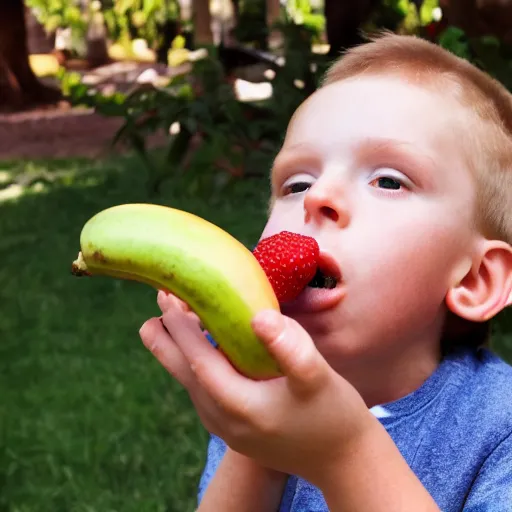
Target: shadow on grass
x=89 y=420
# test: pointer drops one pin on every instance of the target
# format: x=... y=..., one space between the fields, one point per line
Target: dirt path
x=58 y=133
x=61 y=131
x=54 y=134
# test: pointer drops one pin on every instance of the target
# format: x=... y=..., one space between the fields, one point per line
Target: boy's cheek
x=387 y=272
x=271 y=228
x=284 y=217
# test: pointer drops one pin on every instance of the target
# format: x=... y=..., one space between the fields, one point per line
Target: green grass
x=89 y=421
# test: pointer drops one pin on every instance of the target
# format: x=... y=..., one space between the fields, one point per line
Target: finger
x=158 y=341
x=188 y=336
x=177 y=365
x=211 y=368
x=166 y=301
x=206 y=405
x=292 y=347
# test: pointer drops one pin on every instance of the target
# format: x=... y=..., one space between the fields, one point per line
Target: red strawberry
x=289 y=261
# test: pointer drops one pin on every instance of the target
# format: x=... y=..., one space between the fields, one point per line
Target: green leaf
x=139 y=18
x=123 y=132
x=73 y=14
x=178 y=148
x=53 y=22
x=151 y=5
x=454 y=40
x=122 y=6
x=427 y=11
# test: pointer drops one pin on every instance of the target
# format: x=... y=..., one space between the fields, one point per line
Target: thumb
x=293 y=349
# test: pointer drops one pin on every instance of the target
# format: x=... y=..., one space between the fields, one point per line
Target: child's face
x=372 y=168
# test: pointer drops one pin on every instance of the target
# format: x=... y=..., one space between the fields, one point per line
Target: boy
x=400 y=166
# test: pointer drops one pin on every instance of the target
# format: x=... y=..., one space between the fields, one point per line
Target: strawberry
x=289 y=261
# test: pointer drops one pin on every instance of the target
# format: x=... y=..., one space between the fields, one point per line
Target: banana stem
x=79 y=267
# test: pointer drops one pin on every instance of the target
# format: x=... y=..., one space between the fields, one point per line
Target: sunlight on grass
x=35 y=178
x=11 y=192
x=90 y=420
x=5 y=177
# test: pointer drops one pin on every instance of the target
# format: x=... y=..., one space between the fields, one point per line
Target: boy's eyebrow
x=294 y=151
x=398 y=152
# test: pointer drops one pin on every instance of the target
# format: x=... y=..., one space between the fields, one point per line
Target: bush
x=238 y=139
x=235 y=136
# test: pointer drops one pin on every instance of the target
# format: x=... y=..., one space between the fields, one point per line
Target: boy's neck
x=386 y=379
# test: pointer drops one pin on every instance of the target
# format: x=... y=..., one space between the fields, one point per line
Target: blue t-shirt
x=455 y=432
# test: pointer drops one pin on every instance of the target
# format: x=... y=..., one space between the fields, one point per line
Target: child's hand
x=303 y=423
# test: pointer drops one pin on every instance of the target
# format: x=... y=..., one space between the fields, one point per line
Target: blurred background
x=182 y=103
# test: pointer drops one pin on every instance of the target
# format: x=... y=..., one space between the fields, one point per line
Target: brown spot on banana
x=99 y=256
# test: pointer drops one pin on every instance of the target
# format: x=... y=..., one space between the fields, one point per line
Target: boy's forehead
x=346 y=112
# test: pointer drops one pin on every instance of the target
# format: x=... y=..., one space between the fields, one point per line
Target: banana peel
x=203 y=265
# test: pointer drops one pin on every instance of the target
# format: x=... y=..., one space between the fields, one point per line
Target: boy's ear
x=487 y=287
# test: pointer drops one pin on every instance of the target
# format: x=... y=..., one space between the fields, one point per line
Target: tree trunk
x=19 y=87
x=273 y=11
x=203 y=34
x=273 y=8
x=343 y=20
x=38 y=41
x=96 y=38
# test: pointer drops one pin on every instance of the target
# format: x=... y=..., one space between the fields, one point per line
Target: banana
x=203 y=265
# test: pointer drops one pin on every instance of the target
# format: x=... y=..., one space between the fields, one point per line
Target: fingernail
x=269 y=323
x=143 y=329
x=162 y=301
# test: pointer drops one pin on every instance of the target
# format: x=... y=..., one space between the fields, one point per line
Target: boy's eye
x=387 y=183
x=297 y=187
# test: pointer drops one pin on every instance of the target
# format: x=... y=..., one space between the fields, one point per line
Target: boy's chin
x=317 y=325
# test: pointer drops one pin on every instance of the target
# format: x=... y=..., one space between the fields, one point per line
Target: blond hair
x=488 y=139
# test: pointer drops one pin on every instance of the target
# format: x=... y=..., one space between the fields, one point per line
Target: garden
x=174 y=103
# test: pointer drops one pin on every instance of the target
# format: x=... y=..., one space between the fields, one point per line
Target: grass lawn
x=89 y=422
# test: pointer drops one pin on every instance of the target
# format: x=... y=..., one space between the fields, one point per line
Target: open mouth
x=321 y=280
x=324 y=292
x=327 y=275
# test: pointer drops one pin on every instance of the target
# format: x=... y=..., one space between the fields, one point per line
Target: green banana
x=203 y=265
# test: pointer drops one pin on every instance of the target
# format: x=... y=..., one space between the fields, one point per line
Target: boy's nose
x=325 y=202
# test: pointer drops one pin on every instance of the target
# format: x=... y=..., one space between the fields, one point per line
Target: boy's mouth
x=327 y=275
x=320 y=280
x=323 y=292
